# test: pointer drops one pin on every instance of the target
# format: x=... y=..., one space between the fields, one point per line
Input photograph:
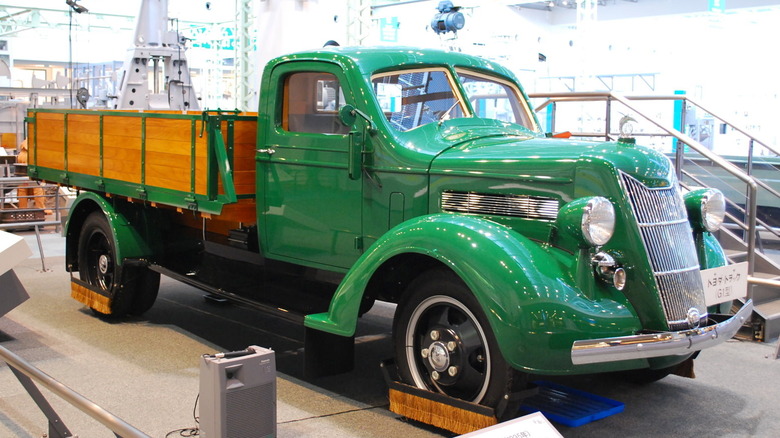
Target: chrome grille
x=666 y=233
x=532 y=207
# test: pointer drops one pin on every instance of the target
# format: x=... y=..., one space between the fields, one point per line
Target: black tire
x=146 y=284
x=647 y=376
x=440 y=325
x=132 y=289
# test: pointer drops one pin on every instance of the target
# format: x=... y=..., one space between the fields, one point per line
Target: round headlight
x=706 y=209
x=591 y=221
x=713 y=210
x=598 y=221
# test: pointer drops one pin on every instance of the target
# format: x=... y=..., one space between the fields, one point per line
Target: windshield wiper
x=446 y=115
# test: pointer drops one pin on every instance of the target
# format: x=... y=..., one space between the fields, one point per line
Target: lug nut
x=451 y=346
x=452 y=371
x=435 y=335
x=425 y=352
x=435 y=375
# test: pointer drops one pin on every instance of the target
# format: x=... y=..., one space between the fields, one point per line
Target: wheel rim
x=100 y=265
x=447 y=350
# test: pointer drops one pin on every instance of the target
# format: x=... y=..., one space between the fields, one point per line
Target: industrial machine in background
x=156 y=75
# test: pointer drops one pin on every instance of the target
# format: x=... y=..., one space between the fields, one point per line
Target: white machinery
x=238 y=394
x=156 y=75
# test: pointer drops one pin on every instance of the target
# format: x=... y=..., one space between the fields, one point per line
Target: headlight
x=589 y=220
x=706 y=209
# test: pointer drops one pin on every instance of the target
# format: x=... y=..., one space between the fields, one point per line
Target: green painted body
x=355 y=203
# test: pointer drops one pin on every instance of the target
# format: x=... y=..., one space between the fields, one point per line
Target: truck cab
x=437 y=174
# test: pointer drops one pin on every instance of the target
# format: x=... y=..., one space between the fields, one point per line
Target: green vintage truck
x=417 y=177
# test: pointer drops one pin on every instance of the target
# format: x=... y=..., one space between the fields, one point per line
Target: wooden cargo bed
x=203 y=162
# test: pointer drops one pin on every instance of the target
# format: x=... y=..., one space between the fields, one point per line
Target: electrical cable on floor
x=334 y=414
x=186 y=432
x=189 y=431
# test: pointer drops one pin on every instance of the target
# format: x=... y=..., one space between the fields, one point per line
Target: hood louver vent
x=530 y=207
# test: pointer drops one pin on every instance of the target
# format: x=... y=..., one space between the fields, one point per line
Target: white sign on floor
x=529 y=426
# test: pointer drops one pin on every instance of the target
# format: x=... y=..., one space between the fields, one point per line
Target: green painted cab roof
x=370 y=60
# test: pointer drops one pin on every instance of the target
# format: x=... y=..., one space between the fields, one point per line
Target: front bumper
x=660 y=344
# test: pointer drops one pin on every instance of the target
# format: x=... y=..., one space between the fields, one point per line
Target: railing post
x=679 y=152
x=751 y=145
x=28 y=375
x=608 y=118
x=551 y=116
x=57 y=428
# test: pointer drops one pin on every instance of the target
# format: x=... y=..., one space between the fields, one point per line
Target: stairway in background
x=766 y=298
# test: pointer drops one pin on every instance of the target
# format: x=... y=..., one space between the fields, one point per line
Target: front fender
x=710 y=252
x=534 y=309
x=130 y=229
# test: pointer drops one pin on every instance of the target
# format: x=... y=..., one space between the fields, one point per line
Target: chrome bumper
x=658 y=344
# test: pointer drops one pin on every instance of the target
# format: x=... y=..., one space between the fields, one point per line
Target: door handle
x=269 y=151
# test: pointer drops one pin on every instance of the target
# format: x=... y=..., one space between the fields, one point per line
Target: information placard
x=725 y=283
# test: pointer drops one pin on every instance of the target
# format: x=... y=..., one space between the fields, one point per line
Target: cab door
x=310 y=212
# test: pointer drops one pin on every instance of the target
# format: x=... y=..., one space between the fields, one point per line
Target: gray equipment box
x=238 y=394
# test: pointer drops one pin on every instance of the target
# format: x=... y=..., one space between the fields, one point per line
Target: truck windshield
x=497 y=99
x=414 y=98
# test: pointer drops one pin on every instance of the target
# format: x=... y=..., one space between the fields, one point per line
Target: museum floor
x=145 y=370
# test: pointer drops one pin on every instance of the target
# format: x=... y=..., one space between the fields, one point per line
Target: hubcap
x=103 y=264
x=448 y=351
x=100 y=262
x=438 y=356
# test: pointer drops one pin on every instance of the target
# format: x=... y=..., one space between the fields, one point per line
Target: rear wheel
x=132 y=289
x=443 y=342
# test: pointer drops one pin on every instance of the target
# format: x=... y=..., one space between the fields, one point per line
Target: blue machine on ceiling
x=449 y=19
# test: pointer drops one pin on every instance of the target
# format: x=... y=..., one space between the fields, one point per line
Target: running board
x=194 y=282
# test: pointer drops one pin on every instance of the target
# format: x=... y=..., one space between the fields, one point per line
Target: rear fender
x=133 y=239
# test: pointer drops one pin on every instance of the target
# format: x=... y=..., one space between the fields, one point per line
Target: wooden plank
x=244 y=182
x=244 y=212
x=84 y=144
x=172 y=176
x=122 y=148
x=50 y=140
x=201 y=150
x=168 y=159
x=31 y=145
x=122 y=164
x=118 y=126
x=54 y=159
x=181 y=148
x=88 y=164
x=244 y=149
x=169 y=131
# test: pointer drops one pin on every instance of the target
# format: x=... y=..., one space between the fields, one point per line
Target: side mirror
x=348 y=115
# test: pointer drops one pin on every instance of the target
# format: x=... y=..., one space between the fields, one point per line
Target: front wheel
x=444 y=344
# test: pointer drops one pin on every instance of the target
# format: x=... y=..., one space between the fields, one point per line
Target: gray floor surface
x=145 y=370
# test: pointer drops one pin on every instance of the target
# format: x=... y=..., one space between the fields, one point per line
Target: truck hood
x=515 y=155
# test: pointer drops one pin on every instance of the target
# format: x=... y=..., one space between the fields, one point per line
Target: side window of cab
x=311 y=101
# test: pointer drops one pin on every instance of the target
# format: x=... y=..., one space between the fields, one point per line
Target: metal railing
x=26 y=373
x=750 y=224
x=15 y=212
